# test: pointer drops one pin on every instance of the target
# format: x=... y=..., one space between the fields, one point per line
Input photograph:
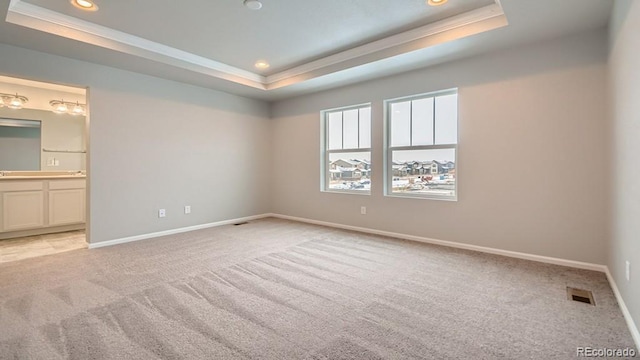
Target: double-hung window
x=346 y=144
x=421 y=143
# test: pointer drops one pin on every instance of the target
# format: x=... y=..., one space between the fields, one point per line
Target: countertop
x=41 y=177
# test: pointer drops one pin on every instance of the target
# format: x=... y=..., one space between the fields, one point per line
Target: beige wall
x=63 y=132
x=160 y=144
x=536 y=114
x=624 y=86
x=536 y=111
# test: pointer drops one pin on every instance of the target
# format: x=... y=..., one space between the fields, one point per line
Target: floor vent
x=241 y=223
x=583 y=296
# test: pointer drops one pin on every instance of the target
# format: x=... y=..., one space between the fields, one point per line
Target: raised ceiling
x=286 y=33
x=310 y=45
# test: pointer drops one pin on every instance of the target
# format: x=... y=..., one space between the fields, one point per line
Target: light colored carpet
x=275 y=289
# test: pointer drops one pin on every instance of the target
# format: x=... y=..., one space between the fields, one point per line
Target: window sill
x=348 y=192
x=423 y=197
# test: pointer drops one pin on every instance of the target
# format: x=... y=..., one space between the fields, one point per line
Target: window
x=421 y=138
x=346 y=145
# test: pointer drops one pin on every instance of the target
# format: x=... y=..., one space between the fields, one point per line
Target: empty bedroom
x=260 y=179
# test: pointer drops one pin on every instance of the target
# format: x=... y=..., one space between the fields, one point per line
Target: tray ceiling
x=311 y=46
x=223 y=39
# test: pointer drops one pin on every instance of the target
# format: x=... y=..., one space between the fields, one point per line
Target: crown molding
x=472 y=22
x=458 y=22
x=38 y=18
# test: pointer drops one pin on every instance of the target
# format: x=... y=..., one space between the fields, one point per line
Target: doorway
x=43 y=196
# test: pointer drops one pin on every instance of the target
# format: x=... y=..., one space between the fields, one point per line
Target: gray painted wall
x=538 y=109
x=624 y=88
x=156 y=143
x=537 y=112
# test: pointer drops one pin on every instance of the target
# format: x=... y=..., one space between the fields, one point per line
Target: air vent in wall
x=241 y=223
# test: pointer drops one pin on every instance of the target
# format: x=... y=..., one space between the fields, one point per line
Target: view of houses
x=433 y=177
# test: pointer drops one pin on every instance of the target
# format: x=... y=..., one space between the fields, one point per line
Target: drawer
x=67 y=184
x=6 y=186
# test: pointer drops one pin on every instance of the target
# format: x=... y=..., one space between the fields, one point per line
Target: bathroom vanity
x=39 y=202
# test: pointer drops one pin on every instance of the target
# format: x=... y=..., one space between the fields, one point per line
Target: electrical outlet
x=363 y=210
x=628 y=270
x=162 y=213
x=187 y=209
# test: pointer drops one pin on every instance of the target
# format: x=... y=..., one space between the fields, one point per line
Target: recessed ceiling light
x=436 y=2
x=261 y=64
x=253 y=4
x=87 y=5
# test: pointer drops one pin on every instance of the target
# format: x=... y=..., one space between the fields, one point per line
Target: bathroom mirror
x=41 y=128
x=41 y=140
x=20 y=144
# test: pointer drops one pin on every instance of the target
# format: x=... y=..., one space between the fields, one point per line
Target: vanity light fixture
x=68 y=107
x=86 y=5
x=253 y=4
x=13 y=101
x=436 y=2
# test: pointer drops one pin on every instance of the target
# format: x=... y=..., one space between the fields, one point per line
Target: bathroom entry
x=43 y=160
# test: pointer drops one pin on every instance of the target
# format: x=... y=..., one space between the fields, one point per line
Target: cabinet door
x=22 y=210
x=66 y=207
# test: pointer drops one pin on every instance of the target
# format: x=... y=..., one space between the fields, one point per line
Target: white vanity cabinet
x=22 y=205
x=32 y=204
x=66 y=202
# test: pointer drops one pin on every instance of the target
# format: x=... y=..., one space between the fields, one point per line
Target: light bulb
x=262 y=64
x=60 y=108
x=15 y=103
x=77 y=109
x=253 y=4
x=85 y=5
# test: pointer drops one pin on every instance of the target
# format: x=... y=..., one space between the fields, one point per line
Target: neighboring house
x=437 y=167
x=343 y=164
x=362 y=164
x=354 y=169
x=414 y=168
x=403 y=169
x=349 y=169
x=335 y=174
x=350 y=173
x=399 y=169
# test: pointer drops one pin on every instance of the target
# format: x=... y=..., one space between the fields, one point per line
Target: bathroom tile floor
x=40 y=245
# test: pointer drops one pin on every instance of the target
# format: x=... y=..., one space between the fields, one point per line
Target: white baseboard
x=625 y=311
x=174 y=231
x=513 y=254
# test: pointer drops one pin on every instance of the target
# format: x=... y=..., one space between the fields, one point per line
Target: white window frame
x=325 y=151
x=388 y=153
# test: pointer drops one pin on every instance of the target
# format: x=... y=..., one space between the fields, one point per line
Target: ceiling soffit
x=456 y=27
